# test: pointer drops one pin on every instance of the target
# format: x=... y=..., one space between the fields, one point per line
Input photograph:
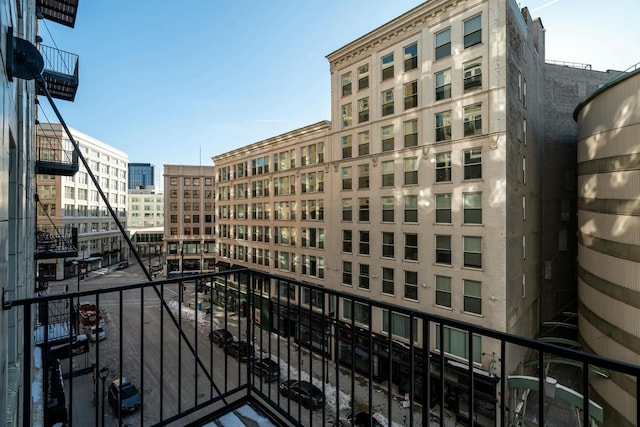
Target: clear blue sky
x=177 y=82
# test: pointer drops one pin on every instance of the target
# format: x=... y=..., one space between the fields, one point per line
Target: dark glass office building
x=141 y=176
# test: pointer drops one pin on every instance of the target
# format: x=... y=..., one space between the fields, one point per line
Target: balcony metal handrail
x=59 y=61
x=56 y=155
x=284 y=295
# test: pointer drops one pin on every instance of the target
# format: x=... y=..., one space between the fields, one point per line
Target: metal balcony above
x=62 y=12
x=60 y=73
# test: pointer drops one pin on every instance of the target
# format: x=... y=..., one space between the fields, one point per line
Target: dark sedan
x=241 y=350
x=303 y=392
x=126 y=394
x=220 y=337
x=267 y=369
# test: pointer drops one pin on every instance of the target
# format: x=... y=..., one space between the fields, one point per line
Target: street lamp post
x=104 y=373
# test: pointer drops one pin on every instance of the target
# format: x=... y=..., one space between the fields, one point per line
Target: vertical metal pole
x=26 y=371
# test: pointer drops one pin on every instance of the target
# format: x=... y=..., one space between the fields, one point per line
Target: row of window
x=471 y=289
x=191 y=231
x=472 y=80
x=190 y=181
x=187 y=218
x=471 y=208
x=188 y=194
x=471 y=247
x=472 y=35
x=190 y=206
x=310 y=154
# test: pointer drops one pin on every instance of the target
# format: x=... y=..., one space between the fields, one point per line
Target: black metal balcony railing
x=158 y=336
x=56 y=161
x=60 y=73
x=52 y=242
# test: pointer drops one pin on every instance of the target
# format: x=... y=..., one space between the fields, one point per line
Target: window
x=524 y=93
x=346 y=115
x=363 y=110
x=347 y=273
x=443 y=85
x=387 y=173
x=362 y=312
x=443 y=291
x=472 y=296
x=410 y=208
x=388 y=207
x=443 y=250
x=388 y=244
x=473 y=120
x=347 y=210
x=411 y=171
x=347 y=241
x=473 y=163
x=472 y=75
x=387 y=102
x=363 y=209
x=363 y=77
x=456 y=343
x=524 y=170
x=346 y=147
x=443 y=126
x=472 y=31
x=363 y=143
x=173 y=180
x=387 y=138
x=411 y=95
x=472 y=208
x=363 y=277
x=346 y=84
x=524 y=246
x=411 y=57
x=443 y=167
x=411 y=133
x=347 y=178
x=411 y=285
x=363 y=176
x=388 y=282
x=443 y=43
x=387 y=66
x=472 y=248
x=524 y=208
x=524 y=131
x=400 y=325
x=363 y=248
x=443 y=208
x=410 y=247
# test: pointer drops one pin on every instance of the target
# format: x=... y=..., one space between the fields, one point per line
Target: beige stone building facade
x=74 y=202
x=189 y=233
x=609 y=236
x=425 y=191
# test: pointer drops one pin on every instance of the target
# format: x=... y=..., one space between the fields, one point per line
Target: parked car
x=125 y=392
x=361 y=419
x=123 y=265
x=303 y=392
x=267 y=369
x=241 y=350
x=220 y=337
x=97 y=334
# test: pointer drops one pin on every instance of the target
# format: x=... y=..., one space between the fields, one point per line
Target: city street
x=171 y=380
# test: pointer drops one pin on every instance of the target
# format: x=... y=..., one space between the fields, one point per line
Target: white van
x=97 y=332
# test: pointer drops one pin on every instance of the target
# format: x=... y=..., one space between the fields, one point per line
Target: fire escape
x=60 y=73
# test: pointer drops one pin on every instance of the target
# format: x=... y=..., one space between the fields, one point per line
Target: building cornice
x=392 y=31
x=258 y=147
